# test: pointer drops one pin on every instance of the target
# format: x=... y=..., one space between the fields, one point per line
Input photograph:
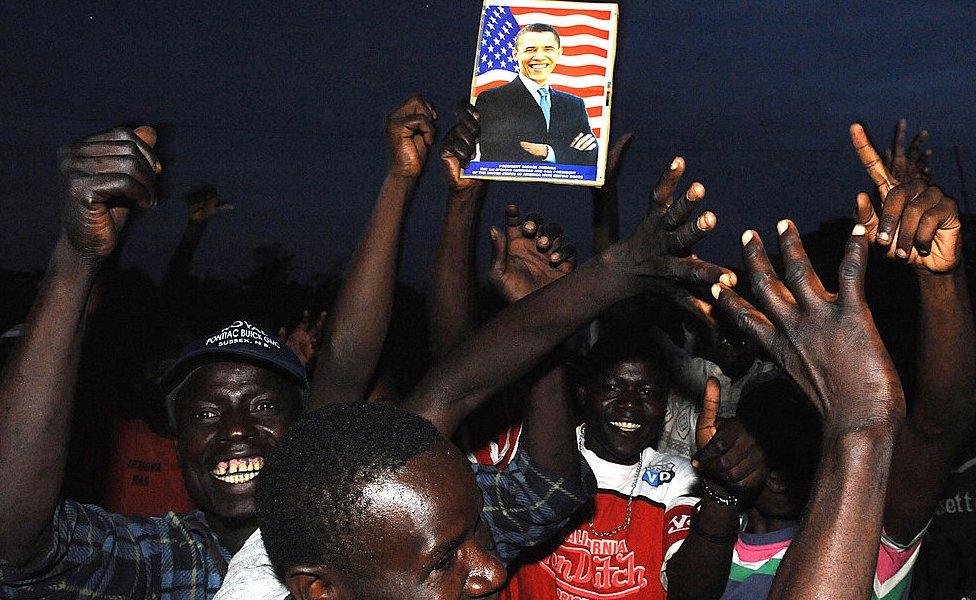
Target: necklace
x=630 y=497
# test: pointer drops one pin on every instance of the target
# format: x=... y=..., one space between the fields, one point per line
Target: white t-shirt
x=250 y=574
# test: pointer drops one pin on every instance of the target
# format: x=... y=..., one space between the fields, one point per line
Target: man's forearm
x=946 y=390
x=841 y=532
x=514 y=341
x=549 y=425
x=356 y=329
x=700 y=568
x=178 y=270
x=36 y=394
x=944 y=405
x=451 y=306
x=606 y=217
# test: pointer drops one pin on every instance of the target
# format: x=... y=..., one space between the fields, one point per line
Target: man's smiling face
x=229 y=416
x=624 y=407
x=537 y=53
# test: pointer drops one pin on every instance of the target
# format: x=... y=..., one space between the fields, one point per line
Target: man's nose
x=627 y=399
x=237 y=425
x=486 y=573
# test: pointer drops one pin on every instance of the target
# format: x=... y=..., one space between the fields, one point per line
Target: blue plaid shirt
x=98 y=554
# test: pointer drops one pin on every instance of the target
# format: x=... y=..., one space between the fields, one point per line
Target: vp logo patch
x=656 y=475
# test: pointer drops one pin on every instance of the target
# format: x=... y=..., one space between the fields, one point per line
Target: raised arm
x=830 y=347
x=924 y=232
x=357 y=325
x=451 y=303
x=525 y=332
x=528 y=256
x=606 y=213
x=102 y=176
x=202 y=205
x=732 y=466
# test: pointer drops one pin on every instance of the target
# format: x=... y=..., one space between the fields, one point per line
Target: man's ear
x=581 y=395
x=312 y=583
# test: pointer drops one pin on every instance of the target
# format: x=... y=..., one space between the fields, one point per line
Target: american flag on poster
x=582 y=70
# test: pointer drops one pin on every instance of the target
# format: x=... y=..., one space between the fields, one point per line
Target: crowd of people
x=646 y=424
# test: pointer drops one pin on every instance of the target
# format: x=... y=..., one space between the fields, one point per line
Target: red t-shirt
x=629 y=564
x=144 y=476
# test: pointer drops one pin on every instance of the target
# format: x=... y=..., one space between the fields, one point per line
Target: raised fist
x=409 y=134
x=203 y=204
x=103 y=176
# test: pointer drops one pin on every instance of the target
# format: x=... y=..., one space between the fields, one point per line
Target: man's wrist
x=465 y=199
x=926 y=277
x=68 y=263
x=617 y=272
x=719 y=495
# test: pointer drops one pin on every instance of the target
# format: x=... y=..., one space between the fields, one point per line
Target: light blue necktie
x=544 y=103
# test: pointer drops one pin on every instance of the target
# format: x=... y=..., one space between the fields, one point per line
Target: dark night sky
x=281 y=107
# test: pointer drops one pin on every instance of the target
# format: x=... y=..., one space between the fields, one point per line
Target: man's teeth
x=626 y=425
x=238 y=470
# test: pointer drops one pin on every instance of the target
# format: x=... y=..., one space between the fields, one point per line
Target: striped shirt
x=757 y=556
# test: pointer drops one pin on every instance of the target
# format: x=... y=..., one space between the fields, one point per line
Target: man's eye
x=646 y=391
x=612 y=388
x=447 y=561
x=203 y=415
x=264 y=405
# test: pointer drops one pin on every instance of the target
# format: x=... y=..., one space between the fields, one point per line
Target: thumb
x=867 y=216
x=706 y=420
x=499 y=253
x=146 y=134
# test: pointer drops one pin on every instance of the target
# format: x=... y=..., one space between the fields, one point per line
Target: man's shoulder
x=502 y=90
x=566 y=96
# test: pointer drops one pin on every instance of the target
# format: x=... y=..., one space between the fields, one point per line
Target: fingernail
x=543 y=240
x=746 y=236
x=901 y=253
x=716 y=290
x=923 y=252
x=554 y=256
x=782 y=226
x=884 y=236
x=695 y=464
x=859 y=230
x=674 y=164
x=728 y=279
x=493 y=234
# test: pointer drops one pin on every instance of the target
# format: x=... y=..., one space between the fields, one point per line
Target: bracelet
x=721 y=540
x=711 y=494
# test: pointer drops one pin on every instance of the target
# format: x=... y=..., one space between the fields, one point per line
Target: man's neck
x=532 y=85
x=602 y=453
x=231 y=533
x=757 y=522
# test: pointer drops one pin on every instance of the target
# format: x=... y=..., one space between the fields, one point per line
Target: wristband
x=711 y=494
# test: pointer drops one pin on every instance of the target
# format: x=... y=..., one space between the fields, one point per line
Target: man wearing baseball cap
x=230 y=397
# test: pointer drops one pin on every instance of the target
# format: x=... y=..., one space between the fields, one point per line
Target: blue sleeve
x=525 y=505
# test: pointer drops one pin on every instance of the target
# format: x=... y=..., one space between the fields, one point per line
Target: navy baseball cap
x=242 y=342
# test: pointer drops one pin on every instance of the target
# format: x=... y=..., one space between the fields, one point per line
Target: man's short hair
x=538 y=28
x=309 y=496
x=617 y=345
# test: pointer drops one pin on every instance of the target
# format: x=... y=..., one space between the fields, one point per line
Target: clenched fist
x=102 y=177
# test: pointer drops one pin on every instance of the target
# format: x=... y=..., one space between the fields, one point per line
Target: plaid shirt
x=97 y=554
x=524 y=505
